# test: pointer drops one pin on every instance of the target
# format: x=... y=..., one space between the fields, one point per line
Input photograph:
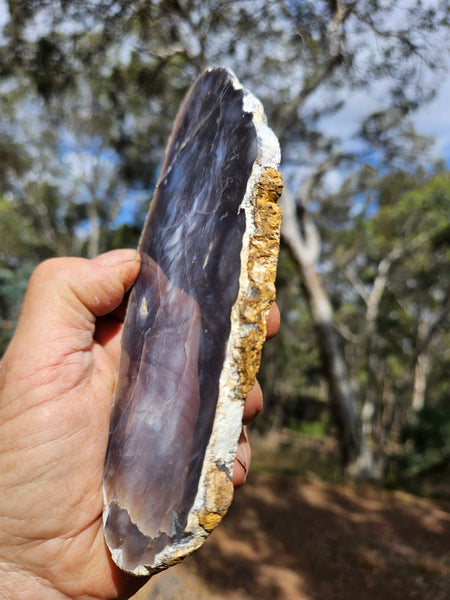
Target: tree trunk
x=376 y=430
x=302 y=238
x=428 y=326
x=369 y=413
x=421 y=372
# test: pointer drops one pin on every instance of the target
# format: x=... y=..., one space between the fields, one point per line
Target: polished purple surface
x=153 y=421
x=178 y=322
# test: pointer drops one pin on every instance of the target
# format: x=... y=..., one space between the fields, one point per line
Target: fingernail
x=115 y=257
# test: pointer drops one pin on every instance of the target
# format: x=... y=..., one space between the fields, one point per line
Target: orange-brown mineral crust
x=256 y=295
x=262 y=258
x=219 y=493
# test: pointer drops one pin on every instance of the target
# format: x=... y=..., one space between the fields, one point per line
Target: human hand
x=56 y=384
x=253 y=406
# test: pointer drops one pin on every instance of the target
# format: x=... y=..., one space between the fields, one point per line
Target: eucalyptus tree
x=390 y=293
x=105 y=80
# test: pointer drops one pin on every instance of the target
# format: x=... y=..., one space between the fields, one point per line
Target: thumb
x=67 y=294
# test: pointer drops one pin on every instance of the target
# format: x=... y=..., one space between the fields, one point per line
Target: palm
x=61 y=477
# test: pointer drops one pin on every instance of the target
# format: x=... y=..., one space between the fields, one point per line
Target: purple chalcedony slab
x=180 y=393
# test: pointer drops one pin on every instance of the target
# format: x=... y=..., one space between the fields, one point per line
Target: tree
x=393 y=272
x=109 y=76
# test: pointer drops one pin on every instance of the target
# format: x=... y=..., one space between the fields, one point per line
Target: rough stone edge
x=259 y=258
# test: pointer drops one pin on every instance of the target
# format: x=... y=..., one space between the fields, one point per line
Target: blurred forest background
x=88 y=94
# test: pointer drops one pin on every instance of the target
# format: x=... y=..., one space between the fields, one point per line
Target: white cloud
x=434 y=119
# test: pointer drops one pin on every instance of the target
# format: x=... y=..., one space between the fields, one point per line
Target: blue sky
x=432 y=120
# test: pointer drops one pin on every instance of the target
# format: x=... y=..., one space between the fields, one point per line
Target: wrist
x=17 y=584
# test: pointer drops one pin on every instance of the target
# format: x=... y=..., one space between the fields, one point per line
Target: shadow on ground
x=290 y=539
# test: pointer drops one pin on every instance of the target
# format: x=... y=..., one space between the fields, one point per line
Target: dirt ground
x=290 y=538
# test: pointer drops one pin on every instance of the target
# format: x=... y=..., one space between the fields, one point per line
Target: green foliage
x=393 y=269
x=429 y=431
x=314 y=429
x=13 y=283
x=88 y=95
x=422 y=463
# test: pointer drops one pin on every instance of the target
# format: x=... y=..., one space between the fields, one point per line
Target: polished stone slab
x=194 y=328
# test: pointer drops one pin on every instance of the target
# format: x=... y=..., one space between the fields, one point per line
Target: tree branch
x=289 y=111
